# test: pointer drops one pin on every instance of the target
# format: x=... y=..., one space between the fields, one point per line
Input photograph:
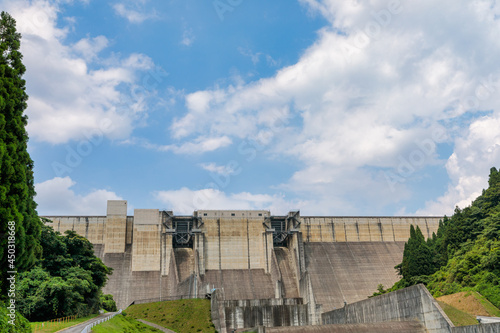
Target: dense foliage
x=16 y=167
x=465 y=252
x=67 y=280
x=21 y=325
x=108 y=303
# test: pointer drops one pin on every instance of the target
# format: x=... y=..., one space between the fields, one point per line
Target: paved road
x=163 y=329
x=78 y=328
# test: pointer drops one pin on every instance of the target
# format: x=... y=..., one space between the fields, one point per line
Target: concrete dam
x=268 y=270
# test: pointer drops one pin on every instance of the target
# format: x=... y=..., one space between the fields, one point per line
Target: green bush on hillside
x=465 y=252
x=108 y=303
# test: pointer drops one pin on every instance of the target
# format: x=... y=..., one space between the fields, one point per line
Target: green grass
x=458 y=318
x=488 y=306
x=54 y=327
x=120 y=323
x=186 y=316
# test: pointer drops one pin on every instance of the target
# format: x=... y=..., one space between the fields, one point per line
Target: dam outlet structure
x=261 y=269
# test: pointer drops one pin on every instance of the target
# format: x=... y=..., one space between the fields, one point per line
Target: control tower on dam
x=319 y=262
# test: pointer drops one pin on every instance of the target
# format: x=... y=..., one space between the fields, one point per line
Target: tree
x=417 y=256
x=68 y=280
x=16 y=167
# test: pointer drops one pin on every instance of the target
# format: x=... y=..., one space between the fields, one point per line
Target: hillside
x=187 y=316
x=472 y=303
x=464 y=255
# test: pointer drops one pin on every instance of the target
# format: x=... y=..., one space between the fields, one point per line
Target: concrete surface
x=388 y=327
x=413 y=303
x=350 y=271
x=487 y=328
x=325 y=260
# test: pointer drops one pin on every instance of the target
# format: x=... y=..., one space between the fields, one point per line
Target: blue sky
x=330 y=107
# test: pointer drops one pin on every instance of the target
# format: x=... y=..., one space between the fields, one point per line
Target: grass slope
x=457 y=317
x=186 y=316
x=472 y=303
x=123 y=324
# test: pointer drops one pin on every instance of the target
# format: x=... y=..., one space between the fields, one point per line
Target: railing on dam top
x=87 y=328
x=162 y=299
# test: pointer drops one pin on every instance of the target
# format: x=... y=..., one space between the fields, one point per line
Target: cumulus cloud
x=224 y=170
x=199 y=145
x=133 y=15
x=469 y=165
x=185 y=201
x=73 y=91
x=378 y=80
x=56 y=197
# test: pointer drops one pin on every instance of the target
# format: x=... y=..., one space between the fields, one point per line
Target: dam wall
x=249 y=255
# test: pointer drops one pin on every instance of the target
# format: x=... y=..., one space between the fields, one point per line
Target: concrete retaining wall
x=229 y=315
x=413 y=303
x=486 y=328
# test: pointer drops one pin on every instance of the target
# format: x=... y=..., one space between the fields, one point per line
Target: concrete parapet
x=364 y=229
x=117 y=208
x=413 y=303
x=90 y=227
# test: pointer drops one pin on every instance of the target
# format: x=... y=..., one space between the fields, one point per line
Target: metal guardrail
x=87 y=328
x=163 y=298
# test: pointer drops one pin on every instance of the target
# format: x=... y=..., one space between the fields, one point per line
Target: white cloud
x=199 y=145
x=468 y=167
x=55 y=197
x=377 y=82
x=187 y=37
x=72 y=90
x=225 y=170
x=132 y=15
x=185 y=201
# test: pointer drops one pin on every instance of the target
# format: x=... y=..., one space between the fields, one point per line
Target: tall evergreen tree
x=16 y=167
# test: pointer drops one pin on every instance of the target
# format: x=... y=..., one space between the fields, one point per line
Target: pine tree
x=16 y=167
x=417 y=256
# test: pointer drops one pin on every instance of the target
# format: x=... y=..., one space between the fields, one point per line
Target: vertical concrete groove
x=248 y=245
x=218 y=231
x=267 y=252
x=381 y=231
x=345 y=233
x=393 y=233
x=87 y=227
x=333 y=230
x=428 y=230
